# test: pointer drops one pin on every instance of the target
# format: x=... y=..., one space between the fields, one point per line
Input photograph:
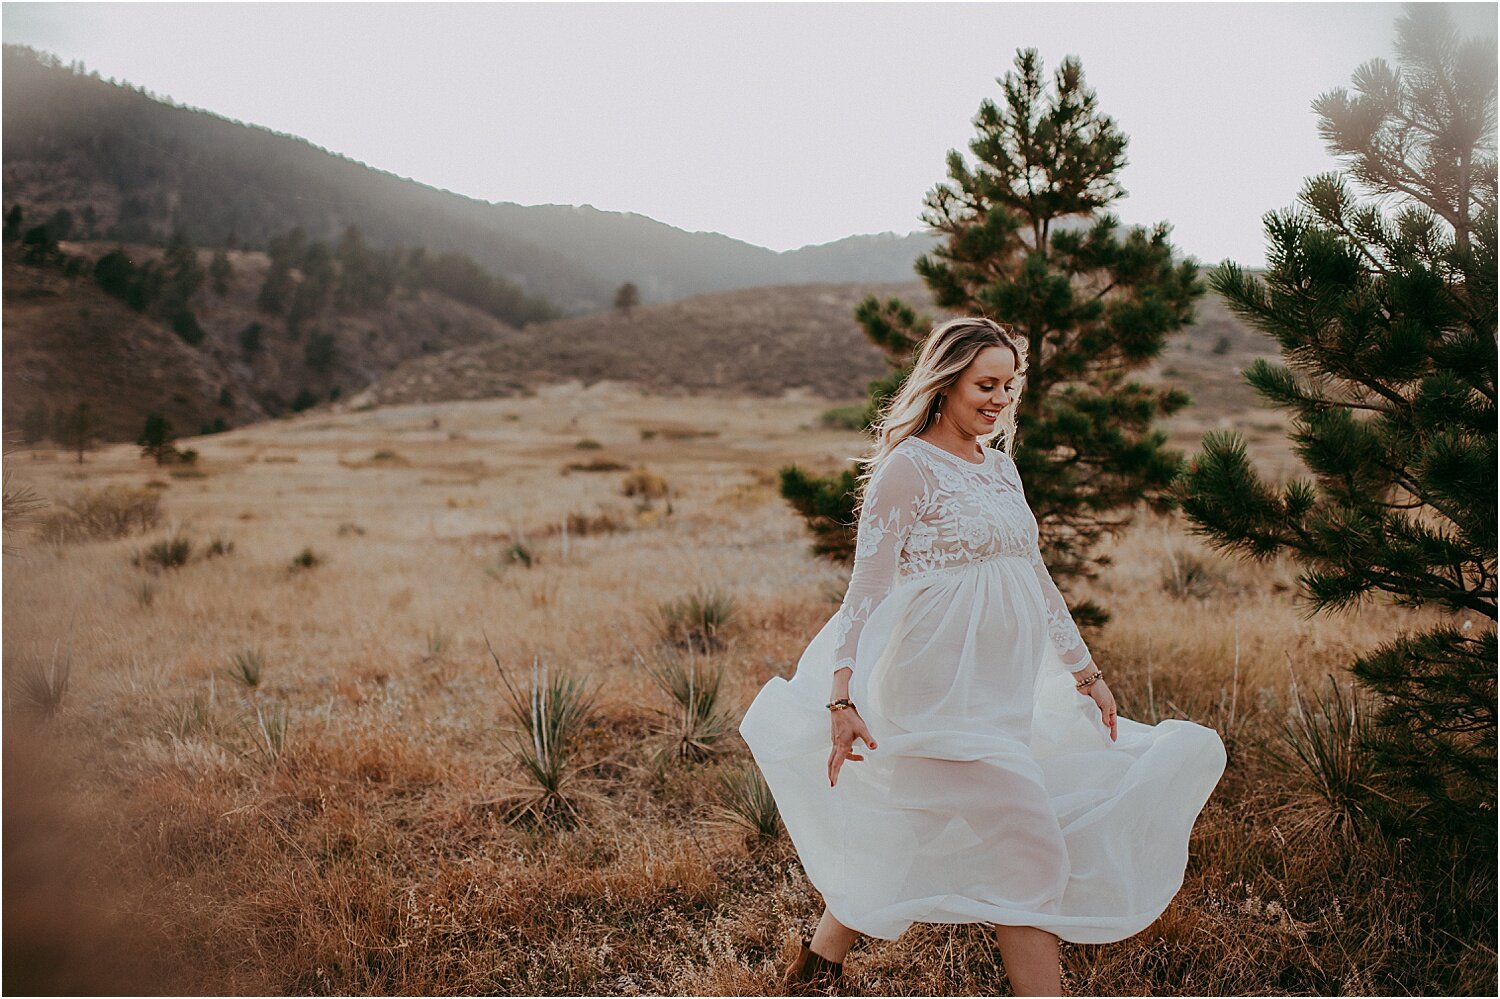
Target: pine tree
x=220 y=270
x=1384 y=303
x=77 y=429
x=1026 y=241
x=627 y=297
x=156 y=439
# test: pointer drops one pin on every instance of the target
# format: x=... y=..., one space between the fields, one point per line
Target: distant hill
x=130 y=167
x=66 y=341
x=756 y=341
x=765 y=341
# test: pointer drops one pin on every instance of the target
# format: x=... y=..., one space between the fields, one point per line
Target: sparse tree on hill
x=156 y=439
x=36 y=423
x=1384 y=303
x=1026 y=241
x=13 y=224
x=181 y=272
x=77 y=429
x=38 y=246
x=60 y=225
x=220 y=271
x=627 y=297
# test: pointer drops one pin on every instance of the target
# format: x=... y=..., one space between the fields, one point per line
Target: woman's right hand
x=847 y=726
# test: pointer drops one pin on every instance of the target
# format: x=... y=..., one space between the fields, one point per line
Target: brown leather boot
x=811 y=973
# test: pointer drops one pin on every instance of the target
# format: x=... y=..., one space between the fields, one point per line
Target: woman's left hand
x=1106 y=701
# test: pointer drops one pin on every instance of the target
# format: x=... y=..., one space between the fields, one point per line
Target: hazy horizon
x=782 y=125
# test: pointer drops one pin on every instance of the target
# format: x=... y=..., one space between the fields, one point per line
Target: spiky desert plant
x=247 y=667
x=548 y=716
x=697 y=621
x=270 y=732
x=1325 y=750
x=746 y=801
x=692 y=727
x=41 y=685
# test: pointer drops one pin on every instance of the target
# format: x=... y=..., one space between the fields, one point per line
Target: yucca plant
x=549 y=715
x=1325 y=749
x=270 y=733
x=746 y=801
x=693 y=726
x=697 y=621
x=41 y=685
x=247 y=667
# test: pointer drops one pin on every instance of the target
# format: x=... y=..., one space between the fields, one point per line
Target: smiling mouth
x=990 y=414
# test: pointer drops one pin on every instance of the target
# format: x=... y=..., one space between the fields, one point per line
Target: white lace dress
x=996 y=795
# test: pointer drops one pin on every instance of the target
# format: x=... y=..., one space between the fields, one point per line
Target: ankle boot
x=810 y=972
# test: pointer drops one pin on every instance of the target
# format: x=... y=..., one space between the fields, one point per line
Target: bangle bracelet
x=1089 y=680
x=840 y=704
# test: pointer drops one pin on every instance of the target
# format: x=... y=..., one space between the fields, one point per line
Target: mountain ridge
x=139 y=167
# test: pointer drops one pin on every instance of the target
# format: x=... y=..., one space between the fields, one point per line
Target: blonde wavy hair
x=943 y=355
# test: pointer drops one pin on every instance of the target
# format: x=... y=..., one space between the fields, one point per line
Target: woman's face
x=984 y=389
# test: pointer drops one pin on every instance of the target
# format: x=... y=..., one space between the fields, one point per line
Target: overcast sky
x=778 y=124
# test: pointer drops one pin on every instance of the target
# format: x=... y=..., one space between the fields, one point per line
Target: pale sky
x=779 y=124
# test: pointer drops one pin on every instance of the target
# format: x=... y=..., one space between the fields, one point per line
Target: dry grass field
x=284 y=766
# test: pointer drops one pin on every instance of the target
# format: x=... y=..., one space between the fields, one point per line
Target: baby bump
x=966 y=645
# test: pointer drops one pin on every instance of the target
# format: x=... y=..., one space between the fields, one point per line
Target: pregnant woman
x=977 y=771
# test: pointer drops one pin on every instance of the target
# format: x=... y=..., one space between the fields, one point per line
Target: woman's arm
x=892 y=504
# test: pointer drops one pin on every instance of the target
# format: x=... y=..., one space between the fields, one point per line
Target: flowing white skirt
x=996 y=795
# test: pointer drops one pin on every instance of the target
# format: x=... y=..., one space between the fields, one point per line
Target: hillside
x=128 y=166
x=760 y=341
x=66 y=341
x=766 y=342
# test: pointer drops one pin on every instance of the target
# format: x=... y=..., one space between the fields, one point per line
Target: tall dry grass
x=159 y=837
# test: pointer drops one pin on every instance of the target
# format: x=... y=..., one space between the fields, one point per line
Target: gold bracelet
x=1088 y=680
x=841 y=704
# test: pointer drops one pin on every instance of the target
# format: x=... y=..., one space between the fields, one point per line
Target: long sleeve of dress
x=1069 y=644
x=1061 y=629
x=892 y=504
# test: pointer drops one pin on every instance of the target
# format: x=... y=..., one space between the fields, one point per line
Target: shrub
x=697 y=621
x=306 y=559
x=645 y=484
x=110 y=512
x=171 y=552
x=185 y=325
x=597 y=465
x=588 y=444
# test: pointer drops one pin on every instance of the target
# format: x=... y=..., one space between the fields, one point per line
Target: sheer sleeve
x=1061 y=629
x=892 y=503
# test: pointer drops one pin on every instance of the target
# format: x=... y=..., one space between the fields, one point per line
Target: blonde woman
x=949 y=750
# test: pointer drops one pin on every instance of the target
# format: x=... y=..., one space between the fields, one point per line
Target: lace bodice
x=926 y=510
